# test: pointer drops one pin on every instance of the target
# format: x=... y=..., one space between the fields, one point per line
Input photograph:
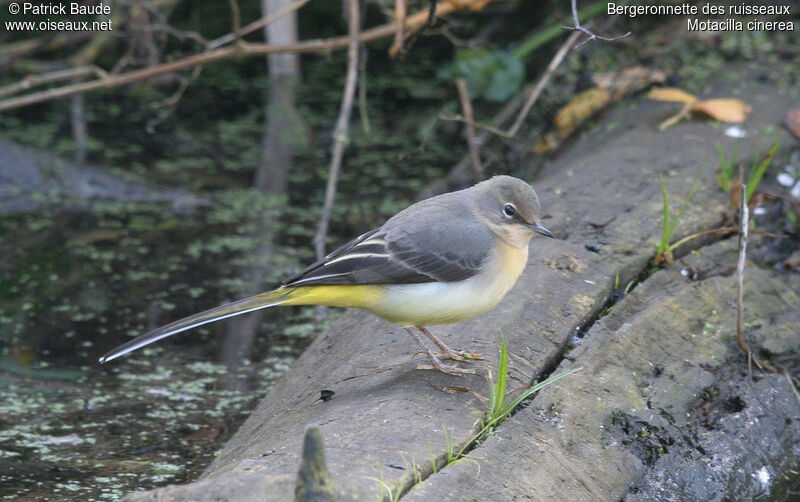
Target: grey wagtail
x=442 y=260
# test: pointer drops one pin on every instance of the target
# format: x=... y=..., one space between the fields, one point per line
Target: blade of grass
x=498 y=389
x=758 y=171
x=664 y=244
x=683 y=207
x=727 y=167
x=491 y=422
x=723 y=179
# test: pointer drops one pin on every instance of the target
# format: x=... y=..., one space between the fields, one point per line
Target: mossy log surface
x=623 y=427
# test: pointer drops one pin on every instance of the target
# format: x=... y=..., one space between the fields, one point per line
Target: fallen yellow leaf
x=724 y=109
x=672 y=94
x=582 y=106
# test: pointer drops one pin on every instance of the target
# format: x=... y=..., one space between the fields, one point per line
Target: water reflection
x=75 y=285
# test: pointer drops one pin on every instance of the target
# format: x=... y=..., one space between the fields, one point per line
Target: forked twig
x=578 y=28
x=260 y=23
x=236 y=19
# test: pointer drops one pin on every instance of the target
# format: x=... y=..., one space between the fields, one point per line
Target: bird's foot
x=437 y=364
x=457 y=355
x=447 y=352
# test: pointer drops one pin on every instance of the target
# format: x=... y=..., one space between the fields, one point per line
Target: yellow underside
x=359 y=296
x=424 y=303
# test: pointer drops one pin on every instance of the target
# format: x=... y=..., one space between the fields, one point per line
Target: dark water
x=73 y=286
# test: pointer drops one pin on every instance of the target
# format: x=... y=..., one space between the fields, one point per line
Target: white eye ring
x=509 y=210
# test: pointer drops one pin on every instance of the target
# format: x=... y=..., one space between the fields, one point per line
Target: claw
x=457 y=355
x=446 y=368
x=448 y=353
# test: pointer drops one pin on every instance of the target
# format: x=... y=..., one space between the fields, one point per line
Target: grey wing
x=404 y=254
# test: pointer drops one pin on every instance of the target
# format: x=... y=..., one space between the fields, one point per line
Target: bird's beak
x=540 y=229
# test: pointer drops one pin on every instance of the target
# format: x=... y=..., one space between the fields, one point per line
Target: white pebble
x=785 y=179
x=735 y=132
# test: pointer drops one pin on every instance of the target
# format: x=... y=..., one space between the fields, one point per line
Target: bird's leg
x=447 y=352
x=435 y=361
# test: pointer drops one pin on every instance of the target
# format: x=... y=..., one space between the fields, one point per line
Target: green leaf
x=493 y=75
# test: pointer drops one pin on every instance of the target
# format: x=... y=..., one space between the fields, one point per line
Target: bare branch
x=362 y=91
x=486 y=128
x=400 y=11
x=171 y=102
x=255 y=25
x=79 y=134
x=49 y=78
x=466 y=107
x=11 y=52
x=578 y=28
x=324 y=46
x=175 y=32
x=163 y=26
x=340 y=139
x=407 y=42
x=543 y=81
x=236 y=18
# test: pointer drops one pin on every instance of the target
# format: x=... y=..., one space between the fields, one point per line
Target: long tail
x=279 y=296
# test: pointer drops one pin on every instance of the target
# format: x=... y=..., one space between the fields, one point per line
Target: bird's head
x=511 y=208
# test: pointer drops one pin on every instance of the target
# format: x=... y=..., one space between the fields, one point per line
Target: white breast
x=447 y=302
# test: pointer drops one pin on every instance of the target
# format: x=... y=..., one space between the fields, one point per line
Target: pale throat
x=516 y=235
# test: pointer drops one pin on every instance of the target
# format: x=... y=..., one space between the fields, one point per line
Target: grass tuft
x=729 y=179
x=758 y=170
x=727 y=167
x=499 y=406
x=664 y=249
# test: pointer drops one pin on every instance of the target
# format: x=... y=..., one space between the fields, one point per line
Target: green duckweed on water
x=75 y=430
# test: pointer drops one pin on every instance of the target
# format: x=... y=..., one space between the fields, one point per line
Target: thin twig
x=171 y=102
x=721 y=230
x=744 y=217
x=362 y=92
x=175 y=32
x=540 y=85
x=580 y=29
x=49 y=78
x=340 y=131
x=11 y=52
x=671 y=121
x=400 y=12
x=415 y=30
x=78 y=120
x=260 y=23
x=466 y=107
x=323 y=46
x=236 y=19
x=791 y=384
x=163 y=26
x=486 y=128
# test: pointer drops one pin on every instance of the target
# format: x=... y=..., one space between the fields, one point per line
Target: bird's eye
x=509 y=210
